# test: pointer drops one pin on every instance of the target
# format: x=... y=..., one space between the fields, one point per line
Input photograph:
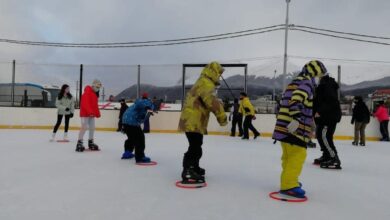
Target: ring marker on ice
x=286 y=198
x=151 y=163
x=88 y=150
x=63 y=141
x=190 y=185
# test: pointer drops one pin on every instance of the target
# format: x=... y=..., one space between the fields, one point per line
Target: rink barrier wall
x=163 y=122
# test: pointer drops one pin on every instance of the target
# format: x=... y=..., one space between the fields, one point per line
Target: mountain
x=379 y=83
x=257 y=86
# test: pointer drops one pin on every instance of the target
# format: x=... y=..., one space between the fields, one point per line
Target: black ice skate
x=80 y=147
x=332 y=163
x=319 y=160
x=92 y=146
x=200 y=171
x=191 y=177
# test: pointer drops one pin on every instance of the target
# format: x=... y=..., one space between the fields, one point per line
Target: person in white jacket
x=65 y=107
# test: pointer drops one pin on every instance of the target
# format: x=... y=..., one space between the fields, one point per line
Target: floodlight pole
x=285 y=45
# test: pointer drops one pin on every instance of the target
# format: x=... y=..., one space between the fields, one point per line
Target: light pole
x=273 y=92
x=285 y=46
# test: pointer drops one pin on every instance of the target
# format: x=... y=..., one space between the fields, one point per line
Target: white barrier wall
x=163 y=121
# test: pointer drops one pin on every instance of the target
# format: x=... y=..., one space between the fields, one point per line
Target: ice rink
x=40 y=180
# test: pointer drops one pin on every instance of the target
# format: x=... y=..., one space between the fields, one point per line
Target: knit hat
x=145 y=95
x=97 y=83
x=243 y=94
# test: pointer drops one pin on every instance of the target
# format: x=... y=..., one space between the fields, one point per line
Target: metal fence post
x=13 y=83
x=81 y=84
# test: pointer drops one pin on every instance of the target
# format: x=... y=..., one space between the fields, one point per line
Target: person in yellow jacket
x=200 y=101
x=247 y=109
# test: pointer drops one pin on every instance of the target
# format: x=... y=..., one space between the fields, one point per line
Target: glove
x=254 y=118
x=67 y=109
x=293 y=126
x=71 y=115
x=352 y=122
x=224 y=123
x=230 y=117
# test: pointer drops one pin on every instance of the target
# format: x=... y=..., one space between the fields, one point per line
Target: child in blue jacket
x=132 y=119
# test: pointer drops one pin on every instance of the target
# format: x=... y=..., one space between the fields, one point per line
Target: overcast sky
x=90 y=21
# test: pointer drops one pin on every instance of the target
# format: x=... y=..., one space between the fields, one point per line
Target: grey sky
x=119 y=20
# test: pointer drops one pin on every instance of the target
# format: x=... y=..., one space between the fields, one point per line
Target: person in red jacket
x=89 y=110
x=382 y=114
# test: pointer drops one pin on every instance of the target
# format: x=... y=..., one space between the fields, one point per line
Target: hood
x=329 y=81
x=314 y=68
x=88 y=89
x=213 y=71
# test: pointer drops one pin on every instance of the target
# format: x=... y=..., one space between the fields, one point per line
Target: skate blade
x=190 y=185
x=331 y=167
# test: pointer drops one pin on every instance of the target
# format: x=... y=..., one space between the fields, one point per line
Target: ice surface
x=42 y=180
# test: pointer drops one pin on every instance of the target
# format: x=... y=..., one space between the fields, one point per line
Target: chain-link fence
x=25 y=84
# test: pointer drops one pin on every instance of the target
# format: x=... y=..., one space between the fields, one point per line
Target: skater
x=237 y=119
x=200 y=101
x=134 y=116
x=157 y=104
x=89 y=110
x=121 y=111
x=382 y=114
x=360 y=117
x=146 y=128
x=293 y=126
x=65 y=107
x=247 y=109
x=327 y=113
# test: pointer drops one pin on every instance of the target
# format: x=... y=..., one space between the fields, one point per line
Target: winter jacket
x=64 y=103
x=246 y=107
x=89 y=103
x=235 y=111
x=326 y=102
x=135 y=115
x=360 y=113
x=382 y=113
x=297 y=104
x=122 y=110
x=201 y=100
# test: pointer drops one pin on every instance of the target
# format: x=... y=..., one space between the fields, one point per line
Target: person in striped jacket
x=294 y=125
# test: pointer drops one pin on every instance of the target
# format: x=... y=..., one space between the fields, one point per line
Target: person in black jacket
x=237 y=119
x=121 y=111
x=360 y=117
x=327 y=113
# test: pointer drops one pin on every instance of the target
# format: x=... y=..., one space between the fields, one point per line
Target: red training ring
x=272 y=195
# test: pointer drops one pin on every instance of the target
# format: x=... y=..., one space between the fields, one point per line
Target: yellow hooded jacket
x=201 y=100
x=246 y=107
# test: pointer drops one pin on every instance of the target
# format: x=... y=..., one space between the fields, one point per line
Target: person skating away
x=133 y=117
x=327 y=113
x=89 y=110
x=382 y=114
x=65 y=108
x=247 y=109
x=200 y=101
x=121 y=111
x=294 y=124
x=360 y=117
x=236 y=118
